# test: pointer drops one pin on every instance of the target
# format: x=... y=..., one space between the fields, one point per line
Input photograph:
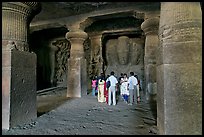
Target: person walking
x=132 y=86
x=112 y=89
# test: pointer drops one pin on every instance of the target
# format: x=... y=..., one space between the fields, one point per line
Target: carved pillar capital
x=76 y=35
x=76 y=38
x=96 y=38
x=150 y=26
x=26 y=8
x=16 y=17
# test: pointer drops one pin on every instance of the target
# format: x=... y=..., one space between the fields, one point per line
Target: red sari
x=106 y=93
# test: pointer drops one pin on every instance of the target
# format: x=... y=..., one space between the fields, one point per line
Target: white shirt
x=132 y=81
x=113 y=80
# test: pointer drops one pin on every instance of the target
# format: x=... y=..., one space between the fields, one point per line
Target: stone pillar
x=179 y=73
x=150 y=27
x=18 y=65
x=77 y=73
x=96 y=52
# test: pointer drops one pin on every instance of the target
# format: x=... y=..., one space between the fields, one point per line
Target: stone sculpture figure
x=123 y=50
x=62 y=56
x=53 y=50
x=136 y=50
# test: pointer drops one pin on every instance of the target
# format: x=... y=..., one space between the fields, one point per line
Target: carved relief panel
x=136 y=47
x=61 y=59
x=111 y=55
x=124 y=55
x=123 y=50
x=62 y=56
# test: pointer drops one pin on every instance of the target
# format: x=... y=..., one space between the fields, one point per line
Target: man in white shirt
x=112 y=89
x=132 y=86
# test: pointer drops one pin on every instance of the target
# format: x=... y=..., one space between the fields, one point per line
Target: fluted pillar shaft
x=18 y=64
x=150 y=27
x=77 y=73
x=179 y=73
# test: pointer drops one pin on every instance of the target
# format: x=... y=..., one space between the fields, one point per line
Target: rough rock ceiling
x=53 y=10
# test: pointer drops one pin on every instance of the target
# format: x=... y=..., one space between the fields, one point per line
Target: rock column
x=179 y=70
x=77 y=73
x=150 y=27
x=18 y=64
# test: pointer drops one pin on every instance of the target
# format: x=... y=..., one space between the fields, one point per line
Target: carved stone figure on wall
x=123 y=50
x=87 y=53
x=95 y=60
x=128 y=56
x=62 y=56
x=52 y=52
x=111 y=55
x=136 y=50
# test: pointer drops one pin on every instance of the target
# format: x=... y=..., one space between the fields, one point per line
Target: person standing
x=112 y=89
x=93 y=84
x=106 y=87
x=132 y=86
x=101 y=84
x=124 y=87
x=138 y=89
x=119 y=85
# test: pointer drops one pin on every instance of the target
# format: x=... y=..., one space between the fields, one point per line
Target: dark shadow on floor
x=153 y=105
x=50 y=101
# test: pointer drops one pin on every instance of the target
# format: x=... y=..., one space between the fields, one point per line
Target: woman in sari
x=101 y=83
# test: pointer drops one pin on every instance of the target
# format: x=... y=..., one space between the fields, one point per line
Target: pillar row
x=18 y=65
x=150 y=28
x=77 y=73
x=179 y=73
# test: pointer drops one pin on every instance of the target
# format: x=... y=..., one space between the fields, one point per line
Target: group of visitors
x=105 y=88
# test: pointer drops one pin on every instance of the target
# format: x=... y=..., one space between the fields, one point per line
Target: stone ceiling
x=53 y=10
x=110 y=18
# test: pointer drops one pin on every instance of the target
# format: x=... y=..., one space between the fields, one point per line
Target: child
x=94 y=85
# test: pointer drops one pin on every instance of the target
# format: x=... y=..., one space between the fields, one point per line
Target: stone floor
x=58 y=115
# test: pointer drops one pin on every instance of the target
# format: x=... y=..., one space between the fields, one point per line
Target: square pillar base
x=18 y=88
x=77 y=77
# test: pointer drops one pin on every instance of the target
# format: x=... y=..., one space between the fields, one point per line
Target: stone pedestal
x=18 y=88
x=18 y=64
x=150 y=27
x=179 y=73
x=77 y=73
